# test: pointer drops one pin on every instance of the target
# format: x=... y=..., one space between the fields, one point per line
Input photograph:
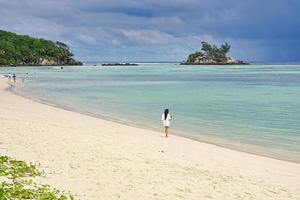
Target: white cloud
x=87 y=39
x=149 y=36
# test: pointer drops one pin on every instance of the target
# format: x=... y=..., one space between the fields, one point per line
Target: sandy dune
x=98 y=159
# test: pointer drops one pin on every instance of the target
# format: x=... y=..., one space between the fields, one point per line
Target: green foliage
x=19 y=184
x=14 y=169
x=25 y=50
x=192 y=57
x=210 y=52
x=19 y=190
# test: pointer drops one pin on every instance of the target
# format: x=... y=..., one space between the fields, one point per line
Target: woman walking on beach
x=166 y=117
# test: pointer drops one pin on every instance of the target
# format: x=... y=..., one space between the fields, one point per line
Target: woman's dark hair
x=166 y=113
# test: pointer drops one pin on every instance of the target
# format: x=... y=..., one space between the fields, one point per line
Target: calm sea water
x=254 y=108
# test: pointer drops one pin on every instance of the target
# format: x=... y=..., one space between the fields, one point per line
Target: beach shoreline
x=232 y=145
x=118 y=161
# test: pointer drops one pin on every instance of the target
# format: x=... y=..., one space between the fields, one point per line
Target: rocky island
x=119 y=64
x=212 y=55
x=23 y=50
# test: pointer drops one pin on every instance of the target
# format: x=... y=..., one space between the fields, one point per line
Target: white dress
x=166 y=122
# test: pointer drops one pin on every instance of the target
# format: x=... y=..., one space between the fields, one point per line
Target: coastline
x=119 y=161
x=45 y=65
x=232 y=145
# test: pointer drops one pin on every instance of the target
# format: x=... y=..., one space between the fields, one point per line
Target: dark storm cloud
x=160 y=30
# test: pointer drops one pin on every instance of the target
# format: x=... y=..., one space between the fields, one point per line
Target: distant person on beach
x=9 y=76
x=166 y=117
x=14 y=77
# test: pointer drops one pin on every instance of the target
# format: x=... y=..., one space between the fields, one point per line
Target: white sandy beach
x=98 y=159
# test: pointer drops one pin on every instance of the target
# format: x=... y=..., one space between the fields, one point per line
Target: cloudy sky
x=160 y=30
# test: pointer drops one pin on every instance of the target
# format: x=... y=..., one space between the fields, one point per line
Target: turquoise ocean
x=253 y=108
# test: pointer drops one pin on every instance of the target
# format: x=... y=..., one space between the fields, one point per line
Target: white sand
x=98 y=159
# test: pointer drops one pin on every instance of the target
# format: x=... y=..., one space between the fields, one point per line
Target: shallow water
x=255 y=108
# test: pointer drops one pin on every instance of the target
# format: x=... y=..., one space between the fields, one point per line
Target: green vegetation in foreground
x=17 y=182
x=211 y=54
x=25 y=50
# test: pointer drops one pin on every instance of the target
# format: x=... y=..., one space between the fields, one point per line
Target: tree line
x=25 y=50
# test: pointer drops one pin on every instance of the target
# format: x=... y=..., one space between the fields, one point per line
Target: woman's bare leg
x=167 y=131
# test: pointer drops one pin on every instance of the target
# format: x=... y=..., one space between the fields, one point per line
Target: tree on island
x=211 y=54
x=25 y=50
